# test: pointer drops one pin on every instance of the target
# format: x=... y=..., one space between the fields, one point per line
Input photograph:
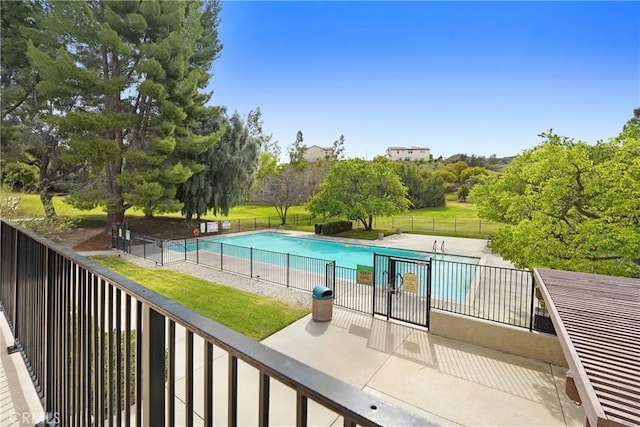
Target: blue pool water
x=345 y=255
x=448 y=279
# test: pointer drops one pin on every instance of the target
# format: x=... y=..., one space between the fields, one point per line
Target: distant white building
x=408 y=153
x=314 y=153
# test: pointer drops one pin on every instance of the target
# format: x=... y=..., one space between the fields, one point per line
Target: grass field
x=253 y=315
x=30 y=206
x=457 y=218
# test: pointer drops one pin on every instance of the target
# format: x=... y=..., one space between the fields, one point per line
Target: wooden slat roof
x=597 y=319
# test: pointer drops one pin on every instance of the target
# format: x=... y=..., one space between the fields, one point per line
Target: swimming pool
x=346 y=255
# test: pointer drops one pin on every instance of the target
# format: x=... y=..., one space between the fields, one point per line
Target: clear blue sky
x=458 y=77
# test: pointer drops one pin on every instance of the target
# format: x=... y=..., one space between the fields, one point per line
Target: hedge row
x=336 y=227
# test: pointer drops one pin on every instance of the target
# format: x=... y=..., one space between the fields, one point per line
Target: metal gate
x=402 y=289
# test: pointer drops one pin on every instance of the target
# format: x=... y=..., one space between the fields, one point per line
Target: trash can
x=318 y=228
x=322 y=304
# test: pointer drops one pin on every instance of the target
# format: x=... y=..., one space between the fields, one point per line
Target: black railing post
x=13 y=310
x=533 y=297
x=153 y=351
x=49 y=371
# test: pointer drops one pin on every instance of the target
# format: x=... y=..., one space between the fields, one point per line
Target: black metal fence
x=421 y=224
x=497 y=294
x=103 y=350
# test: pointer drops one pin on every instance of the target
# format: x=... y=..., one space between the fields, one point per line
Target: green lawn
x=451 y=210
x=253 y=315
x=30 y=205
x=455 y=219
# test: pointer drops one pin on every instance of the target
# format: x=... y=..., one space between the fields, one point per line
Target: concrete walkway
x=19 y=402
x=445 y=381
x=448 y=382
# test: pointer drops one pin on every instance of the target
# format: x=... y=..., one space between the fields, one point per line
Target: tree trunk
x=363 y=222
x=47 y=202
x=114 y=168
x=43 y=186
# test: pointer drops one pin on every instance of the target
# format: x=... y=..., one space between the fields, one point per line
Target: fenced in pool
x=458 y=284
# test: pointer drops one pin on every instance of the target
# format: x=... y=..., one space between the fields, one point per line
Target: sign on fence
x=212 y=227
x=365 y=275
x=410 y=282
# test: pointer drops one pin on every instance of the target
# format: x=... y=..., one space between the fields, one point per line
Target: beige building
x=314 y=153
x=408 y=153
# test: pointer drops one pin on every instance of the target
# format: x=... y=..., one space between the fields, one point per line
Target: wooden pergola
x=597 y=320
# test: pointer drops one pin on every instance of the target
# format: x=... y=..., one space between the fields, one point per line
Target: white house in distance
x=314 y=153
x=408 y=153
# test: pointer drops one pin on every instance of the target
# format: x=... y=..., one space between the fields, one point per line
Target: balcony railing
x=103 y=350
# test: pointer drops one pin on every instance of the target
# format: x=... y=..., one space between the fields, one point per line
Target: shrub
x=336 y=227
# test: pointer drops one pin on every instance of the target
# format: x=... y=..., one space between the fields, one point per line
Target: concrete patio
x=448 y=382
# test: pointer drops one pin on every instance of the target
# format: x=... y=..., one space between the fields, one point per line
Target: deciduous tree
x=360 y=190
x=337 y=149
x=297 y=150
x=424 y=189
x=269 y=149
x=569 y=205
x=290 y=186
x=230 y=166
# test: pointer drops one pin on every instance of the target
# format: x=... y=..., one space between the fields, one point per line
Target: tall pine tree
x=126 y=88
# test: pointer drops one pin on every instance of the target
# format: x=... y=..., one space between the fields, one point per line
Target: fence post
x=433 y=224
x=287 y=270
x=533 y=297
x=251 y=262
x=455 y=225
x=197 y=251
x=185 y=248
x=479 y=226
x=161 y=252
x=153 y=372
